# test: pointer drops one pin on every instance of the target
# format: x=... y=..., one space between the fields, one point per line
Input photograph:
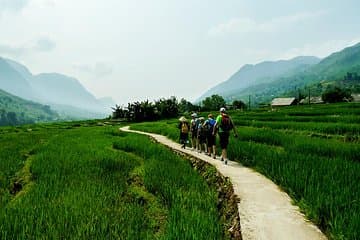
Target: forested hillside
x=340 y=69
x=14 y=111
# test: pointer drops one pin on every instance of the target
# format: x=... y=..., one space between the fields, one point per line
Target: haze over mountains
x=267 y=80
x=63 y=93
x=262 y=82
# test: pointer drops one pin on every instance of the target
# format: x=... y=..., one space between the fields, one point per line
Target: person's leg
x=214 y=146
x=193 y=140
x=214 y=151
x=224 y=140
x=224 y=155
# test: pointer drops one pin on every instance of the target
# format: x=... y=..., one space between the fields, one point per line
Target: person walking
x=210 y=136
x=224 y=124
x=201 y=135
x=193 y=130
x=184 y=131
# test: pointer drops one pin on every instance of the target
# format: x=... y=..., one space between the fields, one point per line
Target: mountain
x=55 y=88
x=288 y=78
x=13 y=82
x=15 y=110
x=61 y=92
x=265 y=72
x=339 y=63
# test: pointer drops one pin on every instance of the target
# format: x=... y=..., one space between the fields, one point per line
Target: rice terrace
x=183 y=120
x=88 y=180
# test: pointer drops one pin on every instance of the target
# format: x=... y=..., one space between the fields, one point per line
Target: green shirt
x=218 y=122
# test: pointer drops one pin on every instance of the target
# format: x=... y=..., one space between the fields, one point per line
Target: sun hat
x=222 y=110
x=182 y=119
x=201 y=119
x=210 y=116
x=194 y=115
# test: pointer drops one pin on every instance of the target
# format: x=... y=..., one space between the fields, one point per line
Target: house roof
x=356 y=97
x=282 y=101
x=312 y=100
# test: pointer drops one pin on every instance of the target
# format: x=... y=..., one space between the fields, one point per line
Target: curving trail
x=265 y=211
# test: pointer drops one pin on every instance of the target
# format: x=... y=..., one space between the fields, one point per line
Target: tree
x=118 y=112
x=168 y=108
x=238 y=104
x=335 y=94
x=186 y=106
x=215 y=102
x=12 y=118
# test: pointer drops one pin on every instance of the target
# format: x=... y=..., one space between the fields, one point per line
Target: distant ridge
x=264 y=72
x=53 y=89
x=13 y=82
x=267 y=80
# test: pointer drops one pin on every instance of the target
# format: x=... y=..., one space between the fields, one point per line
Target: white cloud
x=99 y=69
x=247 y=25
x=42 y=44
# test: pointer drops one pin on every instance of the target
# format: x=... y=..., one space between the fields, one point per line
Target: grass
x=83 y=181
x=316 y=161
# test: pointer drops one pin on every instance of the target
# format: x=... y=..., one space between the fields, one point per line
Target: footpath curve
x=265 y=211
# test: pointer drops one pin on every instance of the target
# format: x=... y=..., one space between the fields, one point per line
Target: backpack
x=201 y=132
x=226 y=124
x=184 y=128
x=194 y=125
x=209 y=126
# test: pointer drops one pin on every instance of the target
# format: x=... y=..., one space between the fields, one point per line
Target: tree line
x=169 y=108
x=10 y=118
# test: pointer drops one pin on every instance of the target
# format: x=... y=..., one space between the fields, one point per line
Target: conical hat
x=182 y=119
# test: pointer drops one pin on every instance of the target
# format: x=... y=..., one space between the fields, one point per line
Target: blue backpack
x=209 y=126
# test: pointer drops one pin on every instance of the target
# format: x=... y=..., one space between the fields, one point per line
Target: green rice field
x=85 y=180
x=312 y=152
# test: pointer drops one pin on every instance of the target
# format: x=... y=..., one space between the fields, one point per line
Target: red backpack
x=226 y=124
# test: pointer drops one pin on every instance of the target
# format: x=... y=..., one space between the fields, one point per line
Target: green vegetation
x=214 y=102
x=15 y=111
x=87 y=180
x=312 y=152
x=287 y=78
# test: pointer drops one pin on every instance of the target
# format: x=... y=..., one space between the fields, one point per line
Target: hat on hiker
x=194 y=115
x=201 y=119
x=182 y=119
x=210 y=116
x=222 y=110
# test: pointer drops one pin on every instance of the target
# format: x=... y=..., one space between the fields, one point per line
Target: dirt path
x=265 y=211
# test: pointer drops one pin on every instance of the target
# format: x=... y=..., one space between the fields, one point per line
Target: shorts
x=210 y=139
x=224 y=139
x=184 y=137
x=202 y=139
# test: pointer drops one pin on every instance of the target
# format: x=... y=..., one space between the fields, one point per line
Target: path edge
x=227 y=199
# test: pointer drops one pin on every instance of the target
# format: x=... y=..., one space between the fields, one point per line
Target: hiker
x=193 y=130
x=224 y=124
x=201 y=135
x=184 y=131
x=210 y=136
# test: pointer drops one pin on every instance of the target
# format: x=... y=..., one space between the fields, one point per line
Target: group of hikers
x=203 y=133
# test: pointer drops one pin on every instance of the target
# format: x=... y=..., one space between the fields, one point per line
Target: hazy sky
x=147 y=49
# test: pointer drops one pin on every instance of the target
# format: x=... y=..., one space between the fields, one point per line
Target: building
x=355 y=97
x=280 y=102
x=313 y=100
